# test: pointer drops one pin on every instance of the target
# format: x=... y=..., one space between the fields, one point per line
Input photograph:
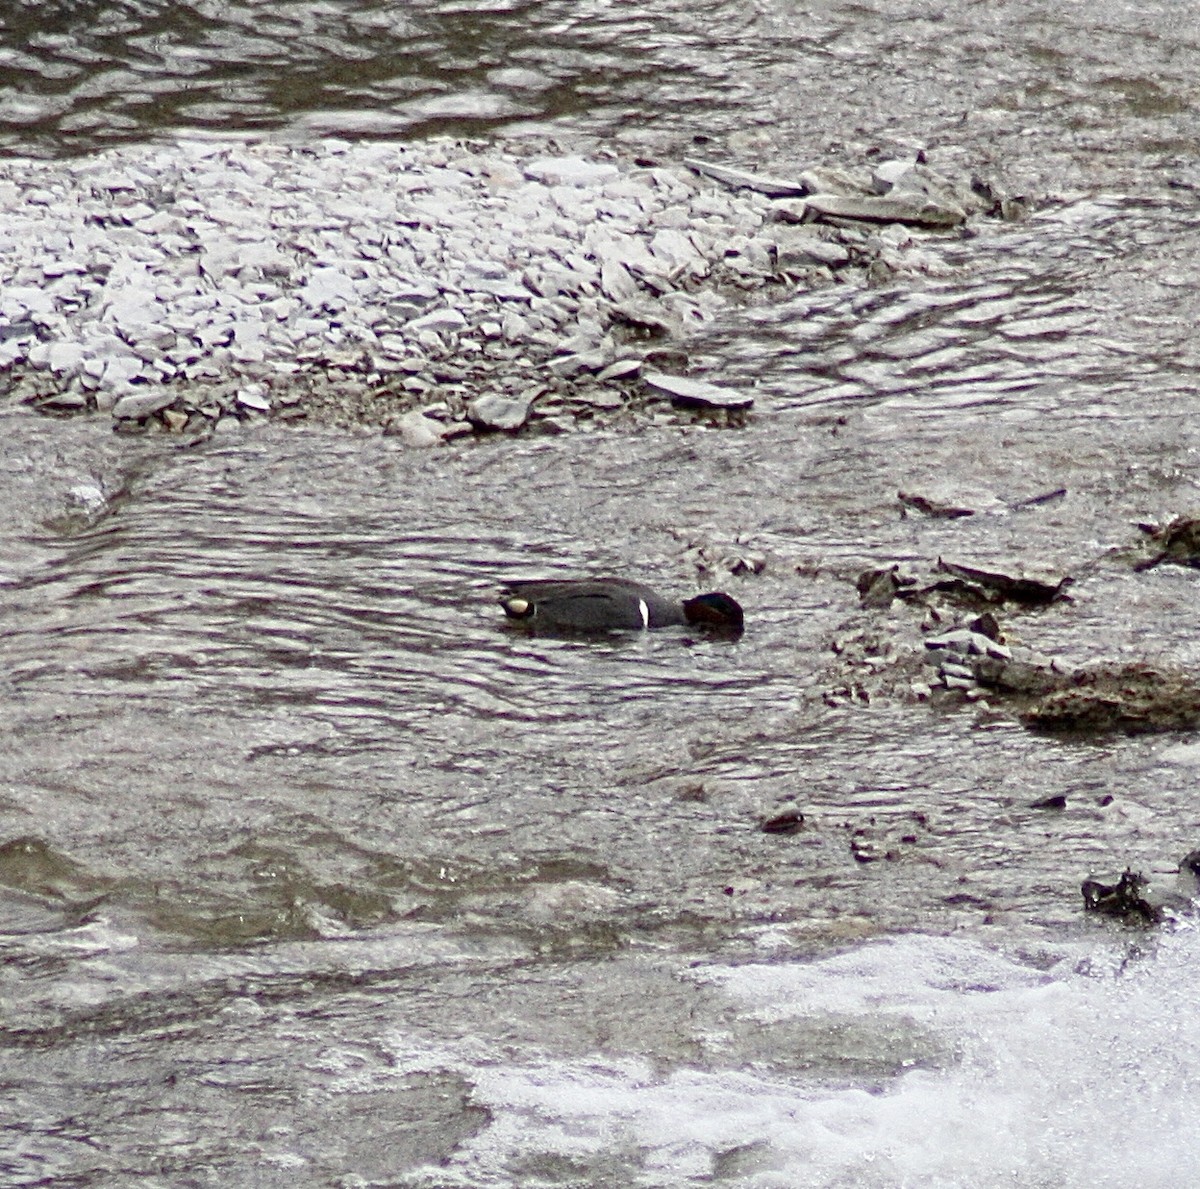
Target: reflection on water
x=89 y=73
x=795 y=82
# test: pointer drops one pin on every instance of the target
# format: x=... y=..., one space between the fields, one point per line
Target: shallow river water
x=315 y=872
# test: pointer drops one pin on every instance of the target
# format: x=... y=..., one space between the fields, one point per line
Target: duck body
x=612 y=604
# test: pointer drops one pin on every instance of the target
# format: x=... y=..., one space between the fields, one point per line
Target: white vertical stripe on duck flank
x=645 y=612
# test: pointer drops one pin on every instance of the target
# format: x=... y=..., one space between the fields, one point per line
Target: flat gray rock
x=914 y=209
x=740 y=179
x=443 y=319
x=801 y=250
x=135 y=408
x=696 y=394
x=498 y=410
x=619 y=370
x=571 y=171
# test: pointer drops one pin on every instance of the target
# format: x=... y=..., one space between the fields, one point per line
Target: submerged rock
x=791 y=822
x=878 y=587
x=1129 y=698
x=416 y=430
x=966 y=584
x=801 y=248
x=937 y=509
x=138 y=407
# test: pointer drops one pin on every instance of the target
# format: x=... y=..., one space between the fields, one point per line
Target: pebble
x=254 y=398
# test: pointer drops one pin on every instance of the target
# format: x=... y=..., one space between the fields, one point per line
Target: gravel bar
x=195 y=283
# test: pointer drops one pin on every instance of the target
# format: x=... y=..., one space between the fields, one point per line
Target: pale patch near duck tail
x=518 y=608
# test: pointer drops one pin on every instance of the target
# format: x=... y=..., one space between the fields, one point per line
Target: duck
x=613 y=604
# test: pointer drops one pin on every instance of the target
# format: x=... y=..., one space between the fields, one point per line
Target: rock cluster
x=199 y=284
x=963 y=644
x=1177 y=541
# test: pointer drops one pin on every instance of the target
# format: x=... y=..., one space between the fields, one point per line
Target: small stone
x=174 y=420
x=62 y=400
x=914 y=209
x=599 y=398
x=739 y=179
x=64 y=357
x=122 y=369
x=887 y=174
x=790 y=822
x=1055 y=801
x=416 y=430
x=567 y=367
x=808 y=251
x=438 y=320
x=619 y=370
x=328 y=288
x=254 y=398
x=956 y=641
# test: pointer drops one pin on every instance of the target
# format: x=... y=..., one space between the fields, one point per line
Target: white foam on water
x=1062 y=1079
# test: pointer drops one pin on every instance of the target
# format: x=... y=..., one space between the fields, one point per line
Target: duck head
x=714 y=610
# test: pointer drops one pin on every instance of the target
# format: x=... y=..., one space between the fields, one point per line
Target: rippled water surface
x=1042 y=89
x=314 y=871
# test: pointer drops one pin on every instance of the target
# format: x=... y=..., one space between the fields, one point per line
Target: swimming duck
x=604 y=604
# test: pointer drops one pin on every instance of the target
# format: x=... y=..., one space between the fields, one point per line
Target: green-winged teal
x=604 y=604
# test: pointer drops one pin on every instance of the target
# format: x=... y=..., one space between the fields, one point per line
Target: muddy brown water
x=303 y=851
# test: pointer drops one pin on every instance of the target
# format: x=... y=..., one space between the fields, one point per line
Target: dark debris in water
x=1054 y=801
x=964 y=584
x=1177 y=542
x=1011 y=584
x=1131 y=898
x=1122 y=899
x=936 y=509
x=791 y=822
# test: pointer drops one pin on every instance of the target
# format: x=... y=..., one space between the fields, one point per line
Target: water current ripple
x=314 y=869
x=98 y=72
